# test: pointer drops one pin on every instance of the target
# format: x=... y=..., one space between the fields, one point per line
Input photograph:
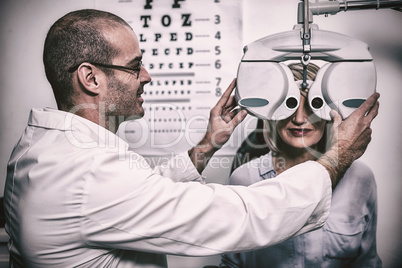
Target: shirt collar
x=266 y=167
x=80 y=131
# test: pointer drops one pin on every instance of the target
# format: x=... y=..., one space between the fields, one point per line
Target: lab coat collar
x=80 y=131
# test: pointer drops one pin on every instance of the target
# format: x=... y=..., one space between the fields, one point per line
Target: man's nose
x=145 y=78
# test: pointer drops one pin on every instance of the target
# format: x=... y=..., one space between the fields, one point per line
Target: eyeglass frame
x=111 y=66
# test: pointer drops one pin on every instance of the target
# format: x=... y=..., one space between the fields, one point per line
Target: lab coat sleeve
x=179 y=168
x=144 y=211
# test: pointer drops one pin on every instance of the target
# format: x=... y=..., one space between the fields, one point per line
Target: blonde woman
x=348 y=239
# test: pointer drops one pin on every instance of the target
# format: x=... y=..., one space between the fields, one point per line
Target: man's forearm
x=336 y=161
x=201 y=154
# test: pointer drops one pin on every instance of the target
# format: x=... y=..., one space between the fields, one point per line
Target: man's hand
x=350 y=138
x=223 y=119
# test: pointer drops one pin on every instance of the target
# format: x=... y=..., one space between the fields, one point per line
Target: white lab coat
x=76 y=196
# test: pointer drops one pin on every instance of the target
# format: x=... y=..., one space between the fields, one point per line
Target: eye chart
x=191 y=49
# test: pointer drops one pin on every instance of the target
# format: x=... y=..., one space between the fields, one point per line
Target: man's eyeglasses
x=134 y=70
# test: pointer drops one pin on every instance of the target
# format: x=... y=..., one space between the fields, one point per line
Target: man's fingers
x=336 y=117
x=373 y=111
x=367 y=106
x=231 y=114
x=231 y=103
x=225 y=96
x=238 y=118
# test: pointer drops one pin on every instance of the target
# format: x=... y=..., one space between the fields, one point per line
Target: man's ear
x=89 y=77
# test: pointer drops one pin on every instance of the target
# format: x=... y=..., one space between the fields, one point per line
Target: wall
x=24 y=23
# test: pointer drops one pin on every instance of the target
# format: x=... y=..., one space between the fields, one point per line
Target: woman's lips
x=299 y=132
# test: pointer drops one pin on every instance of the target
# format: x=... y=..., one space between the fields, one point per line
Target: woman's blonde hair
x=270 y=133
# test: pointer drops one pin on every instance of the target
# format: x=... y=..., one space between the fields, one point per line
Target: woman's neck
x=290 y=156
